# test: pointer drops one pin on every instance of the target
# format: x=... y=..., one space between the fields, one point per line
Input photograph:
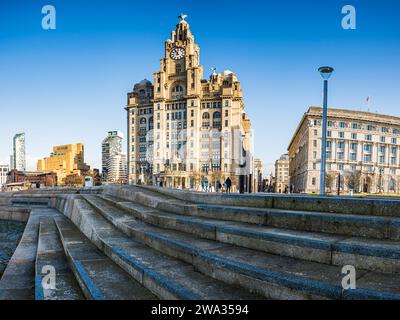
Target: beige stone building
x=65 y=160
x=363 y=152
x=183 y=128
x=282 y=174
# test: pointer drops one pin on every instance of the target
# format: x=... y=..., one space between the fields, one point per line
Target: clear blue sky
x=69 y=85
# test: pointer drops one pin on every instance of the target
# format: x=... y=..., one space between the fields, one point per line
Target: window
x=177 y=88
x=395 y=131
x=226 y=113
x=329 y=144
x=354 y=136
x=226 y=103
x=315 y=155
x=329 y=123
x=340 y=155
x=353 y=156
x=368 y=137
x=382 y=149
x=342 y=124
x=178 y=68
x=192 y=113
x=384 y=130
x=367 y=158
x=354 y=125
x=226 y=123
x=315 y=132
x=353 y=146
x=381 y=159
x=314 y=181
x=353 y=167
x=370 y=128
x=217 y=119
x=382 y=139
x=191 y=123
x=340 y=167
x=341 y=144
x=394 y=140
x=329 y=134
x=328 y=154
x=315 y=143
x=368 y=147
x=393 y=150
x=341 y=135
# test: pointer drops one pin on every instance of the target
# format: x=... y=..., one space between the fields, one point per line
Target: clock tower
x=180 y=68
x=182 y=127
x=177 y=93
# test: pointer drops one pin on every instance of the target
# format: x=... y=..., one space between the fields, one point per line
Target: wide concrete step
x=18 y=280
x=51 y=258
x=10 y=213
x=166 y=277
x=376 y=206
x=98 y=276
x=377 y=255
x=271 y=275
x=378 y=227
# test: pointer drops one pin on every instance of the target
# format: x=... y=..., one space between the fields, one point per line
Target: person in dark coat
x=228 y=183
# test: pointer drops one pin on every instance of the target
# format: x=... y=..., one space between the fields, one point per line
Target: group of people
x=219 y=187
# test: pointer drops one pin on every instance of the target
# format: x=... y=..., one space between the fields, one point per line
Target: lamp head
x=326 y=72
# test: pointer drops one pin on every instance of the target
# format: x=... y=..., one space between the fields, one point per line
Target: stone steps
x=378 y=227
x=270 y=275
x=377 y=255
x=50 y=253
x=372 y=206
x=98 y=277
x=166 y=277
x=18 y=281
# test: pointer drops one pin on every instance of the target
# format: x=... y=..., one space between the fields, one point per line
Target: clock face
x=177 y=53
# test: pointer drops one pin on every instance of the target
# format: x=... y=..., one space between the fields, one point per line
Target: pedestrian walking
x=228 y=183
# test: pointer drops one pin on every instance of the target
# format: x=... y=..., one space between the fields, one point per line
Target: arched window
x=206 y=115
x=143 y=121
x=217 y=115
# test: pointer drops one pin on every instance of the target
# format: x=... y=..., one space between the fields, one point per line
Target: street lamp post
x=326 y=72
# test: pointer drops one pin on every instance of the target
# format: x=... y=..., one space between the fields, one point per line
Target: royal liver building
x=184 y=129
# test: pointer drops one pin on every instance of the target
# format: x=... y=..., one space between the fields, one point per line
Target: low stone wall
x=349 y=205
x=14 y=214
